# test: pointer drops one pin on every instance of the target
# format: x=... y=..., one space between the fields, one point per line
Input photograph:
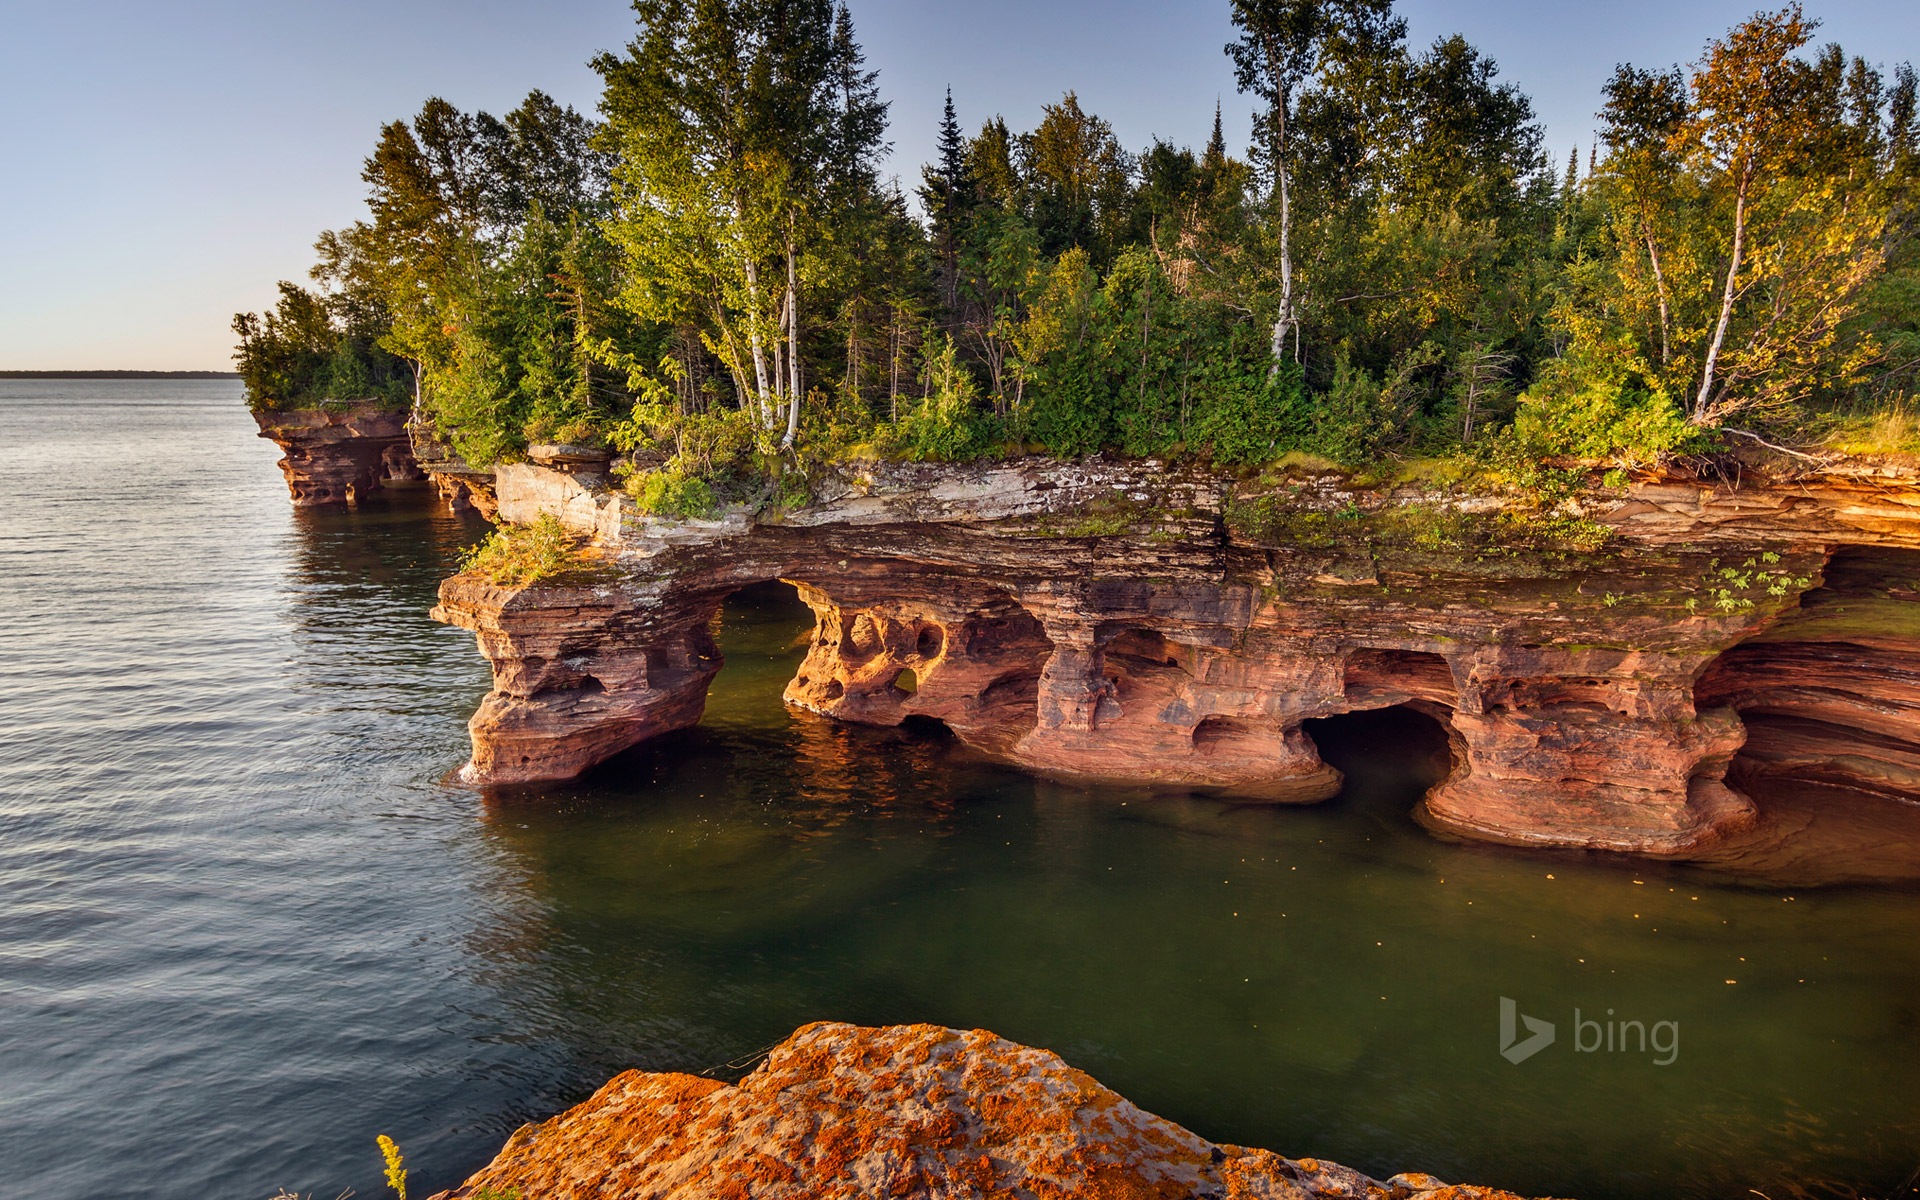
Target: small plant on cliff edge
x=518 y=555
x=396 y=1166
x=669 y=493
x=1738 y=589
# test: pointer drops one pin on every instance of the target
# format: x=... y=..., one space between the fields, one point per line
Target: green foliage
x=1757 y=580
x=300 y=355
x=1598 y=408
x=543 y=551
x=1247 y=416
x=717 y=281
x=672 y=494
x=947 y=423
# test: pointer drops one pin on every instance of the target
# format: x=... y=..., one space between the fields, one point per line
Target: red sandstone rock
x=581 y=673
x=1595 y=702
x=464 y=487
x=339 y=455
x=838 y=1112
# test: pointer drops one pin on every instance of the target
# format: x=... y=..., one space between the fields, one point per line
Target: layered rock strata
x=338 y=455
x=837 y=1112
x=1122 y=622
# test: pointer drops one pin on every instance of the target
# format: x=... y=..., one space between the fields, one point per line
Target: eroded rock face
x=339 y=455
x=580 y=674
x=1592 y=700
x=839 y=1111
x=463 y=487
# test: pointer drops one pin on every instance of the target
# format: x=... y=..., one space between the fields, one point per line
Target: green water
x=1322 y=981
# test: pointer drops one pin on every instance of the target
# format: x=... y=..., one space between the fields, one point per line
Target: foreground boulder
x=840 y=1111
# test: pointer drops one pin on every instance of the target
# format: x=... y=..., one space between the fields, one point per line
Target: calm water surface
x=245 y=926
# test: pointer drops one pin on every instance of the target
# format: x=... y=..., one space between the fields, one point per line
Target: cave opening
x=1398 y=748
x=761 y=633
x=764 y=633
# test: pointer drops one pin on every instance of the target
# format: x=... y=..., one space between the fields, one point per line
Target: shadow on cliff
x=1830 y=696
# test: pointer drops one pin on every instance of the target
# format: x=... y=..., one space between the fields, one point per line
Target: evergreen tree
x=947 y=193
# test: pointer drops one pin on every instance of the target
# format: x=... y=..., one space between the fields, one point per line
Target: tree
x=1079 y=178
x=739 y=124
x=1644 y=113
x=1280 y=46
x=1747 y=121
x=946 y=193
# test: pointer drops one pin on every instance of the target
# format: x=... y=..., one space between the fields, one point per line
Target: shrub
x=947 y=424
x=539 y=552
x=1247 y=414
x=1602 y=409
x=672 y=493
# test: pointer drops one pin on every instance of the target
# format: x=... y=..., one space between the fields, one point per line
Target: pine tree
x=953 y=147
x=1217 y=144
x=947 y=192
x=1573 y=170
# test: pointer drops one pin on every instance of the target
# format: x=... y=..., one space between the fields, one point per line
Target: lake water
x=245 y=925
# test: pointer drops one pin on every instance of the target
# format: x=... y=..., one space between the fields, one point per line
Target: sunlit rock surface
x=1109 y=621
x=840 y=1111
x=337 y=455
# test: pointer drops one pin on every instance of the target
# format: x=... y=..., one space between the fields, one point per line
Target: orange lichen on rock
x=839 y=1111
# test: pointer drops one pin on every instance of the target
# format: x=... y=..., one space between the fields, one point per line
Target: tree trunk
x=1283 y=325
x=756 y=345
x=1660 y=290
x=754 y=338
x=794 y=394
x=1726 y=300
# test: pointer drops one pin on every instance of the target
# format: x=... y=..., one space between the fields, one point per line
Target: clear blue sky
x=164 y=165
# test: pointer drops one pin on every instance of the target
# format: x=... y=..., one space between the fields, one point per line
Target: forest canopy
x=712 y=276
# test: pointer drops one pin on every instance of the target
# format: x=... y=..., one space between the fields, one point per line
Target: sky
x=162 y=166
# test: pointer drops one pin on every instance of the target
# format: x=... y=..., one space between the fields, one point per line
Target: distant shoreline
x=118 y=375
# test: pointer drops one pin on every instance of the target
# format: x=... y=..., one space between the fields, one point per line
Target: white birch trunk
x=1284 y=324
x=794 y=393
x=1726 y=302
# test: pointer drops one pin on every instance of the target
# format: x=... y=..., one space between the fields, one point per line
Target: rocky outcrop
x=339 y=454
x=837 y=1112
x=464 y=487
x=1113 y=621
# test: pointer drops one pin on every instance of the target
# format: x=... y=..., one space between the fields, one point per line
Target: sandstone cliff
x=838 y=1112
x=337 y=455
x=1131 y=622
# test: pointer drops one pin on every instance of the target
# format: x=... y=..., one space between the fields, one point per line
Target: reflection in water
x=1321 y=980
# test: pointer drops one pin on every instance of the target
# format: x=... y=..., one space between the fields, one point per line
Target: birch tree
x=1749 y=121
x=1281 y=45
x=740 y=125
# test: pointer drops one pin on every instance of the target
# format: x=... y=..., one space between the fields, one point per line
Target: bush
x=297 y=355
x=1602 y=410
x=672 y=493
x=540 y=552
x=947 y=424
x=1245 y=415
